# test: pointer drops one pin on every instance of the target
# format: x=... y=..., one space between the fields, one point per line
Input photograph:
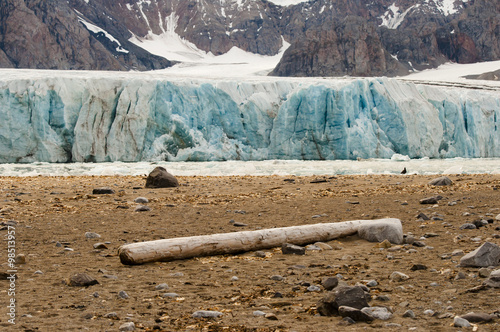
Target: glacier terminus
x=100 y=117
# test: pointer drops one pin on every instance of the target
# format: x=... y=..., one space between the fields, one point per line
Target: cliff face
x=327 y=37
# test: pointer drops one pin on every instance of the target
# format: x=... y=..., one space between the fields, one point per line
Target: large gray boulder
x=160 y=178
x=486 y=255
x=380 y=230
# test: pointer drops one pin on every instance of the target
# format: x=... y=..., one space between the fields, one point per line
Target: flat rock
x=477 y=317
x=142 y=208
x=355 y=314
x=378 y=312
x=141 y=200
x=82 y=280
x=486 y=255
x=460 y=322
x=380 y=230
x=292 y=249
x=431 y=200
x=206 y=314
x=92 y=235
x=398 y=276
x=103 y=191
x=441 y=181
x=160 y=178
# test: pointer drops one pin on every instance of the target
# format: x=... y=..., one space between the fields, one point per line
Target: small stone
x=460 y=322
x=422 y=216
x=130 y=326
x=372 y=283
x=234 y=278
x=92 y=235
x=206 y=314
x=123 y=295
x=419 y=244
x=260 y=254
x=161 y=286
x=460 y=275
x=378 y=231
x=378 y=312
x=277 y=278
x=382 y=298
x=81 y=280
x=141 y=200
x=103 y=191
x=259 y=313
x=468 y=226
x=314 y=288
x=38 y=272
x=457 y=252
x=59 y=244
x=20 y=259
x=484 y=272
x=494 y=279
x=288 y=249
x=270 y=316
x=170 y=295
x=347 y=321
x=441 y=181
x=429 y=312
x=417 y=267
x=312 y=247
x=142 y=208
x=431 y=200
x=323 y=246
x=160 y=178
x=112 y=315
x=398 y=276
x=409 y=314
x=330 y=283
x=239 y=224
x=350 y=296
x=100 y=246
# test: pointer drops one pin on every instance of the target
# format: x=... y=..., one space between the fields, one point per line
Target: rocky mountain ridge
x=327 y=37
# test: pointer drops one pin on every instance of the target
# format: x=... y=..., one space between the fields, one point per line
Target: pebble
x=460 y=275
x=38 y=272
x=259 y=313
x=468 y=226
x=271 y=316
x=330 y=283
x=103 y=191
x=161 y=286
x=100 y=246
x=277 y=278
x=82 y=280
x=206 y=314
x=288 y=249
x=141 y=200
x=313 y=247
x=234 y=278
x=111 y=315
x=409 y=314
x=372 y=283
x=260 y=254
x=484 y=272
x=378 y=312
x=460 y=322
x=20 y=259
x=142 y=208
x=123 y=295
x=382 y=298
x=398 y=276
x=92 y=235
x=324 y=246
x=130 y=326
x=429 y=312
x=314 y=288
x=170 y=295
x=477 y=317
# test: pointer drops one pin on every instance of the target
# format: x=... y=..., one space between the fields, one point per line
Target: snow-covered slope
x=97 y=116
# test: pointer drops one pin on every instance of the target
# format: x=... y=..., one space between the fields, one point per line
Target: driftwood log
x=237 y=242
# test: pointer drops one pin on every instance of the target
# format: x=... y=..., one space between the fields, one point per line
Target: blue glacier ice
x=83 y=118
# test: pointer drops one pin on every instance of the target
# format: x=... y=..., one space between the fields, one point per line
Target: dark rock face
x=160 y=178
x=327 y=37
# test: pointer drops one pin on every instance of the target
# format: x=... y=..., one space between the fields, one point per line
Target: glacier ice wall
x=74 y=119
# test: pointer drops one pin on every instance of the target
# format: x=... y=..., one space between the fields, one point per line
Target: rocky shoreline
x=69 y=276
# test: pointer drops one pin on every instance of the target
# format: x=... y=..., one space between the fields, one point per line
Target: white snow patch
x=287 y=2
x=393 y=17
x=95 y=29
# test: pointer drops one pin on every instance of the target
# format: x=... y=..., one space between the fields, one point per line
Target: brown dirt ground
x=62 y=209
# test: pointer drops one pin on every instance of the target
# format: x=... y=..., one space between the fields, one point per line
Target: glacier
x=59 y=118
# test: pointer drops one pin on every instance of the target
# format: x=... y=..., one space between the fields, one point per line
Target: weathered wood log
x=237 y=242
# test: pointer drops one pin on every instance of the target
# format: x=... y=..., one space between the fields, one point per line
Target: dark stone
x=288 y=248
x=330 y=283
x=103 y=191
x=351 y=296
x=422 y=216
x=160 y=178
x=431 y=200
x=468 y=226
x=81 y=280
x=356 y=314
x=417 y=267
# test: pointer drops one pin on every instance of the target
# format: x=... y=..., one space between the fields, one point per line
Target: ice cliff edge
x=63 y=119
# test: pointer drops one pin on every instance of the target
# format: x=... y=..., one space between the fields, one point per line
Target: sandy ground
x=54 y=213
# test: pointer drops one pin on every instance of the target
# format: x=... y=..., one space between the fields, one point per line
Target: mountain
x=326 y=37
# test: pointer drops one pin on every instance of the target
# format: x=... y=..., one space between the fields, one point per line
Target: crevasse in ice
x=130 y=119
